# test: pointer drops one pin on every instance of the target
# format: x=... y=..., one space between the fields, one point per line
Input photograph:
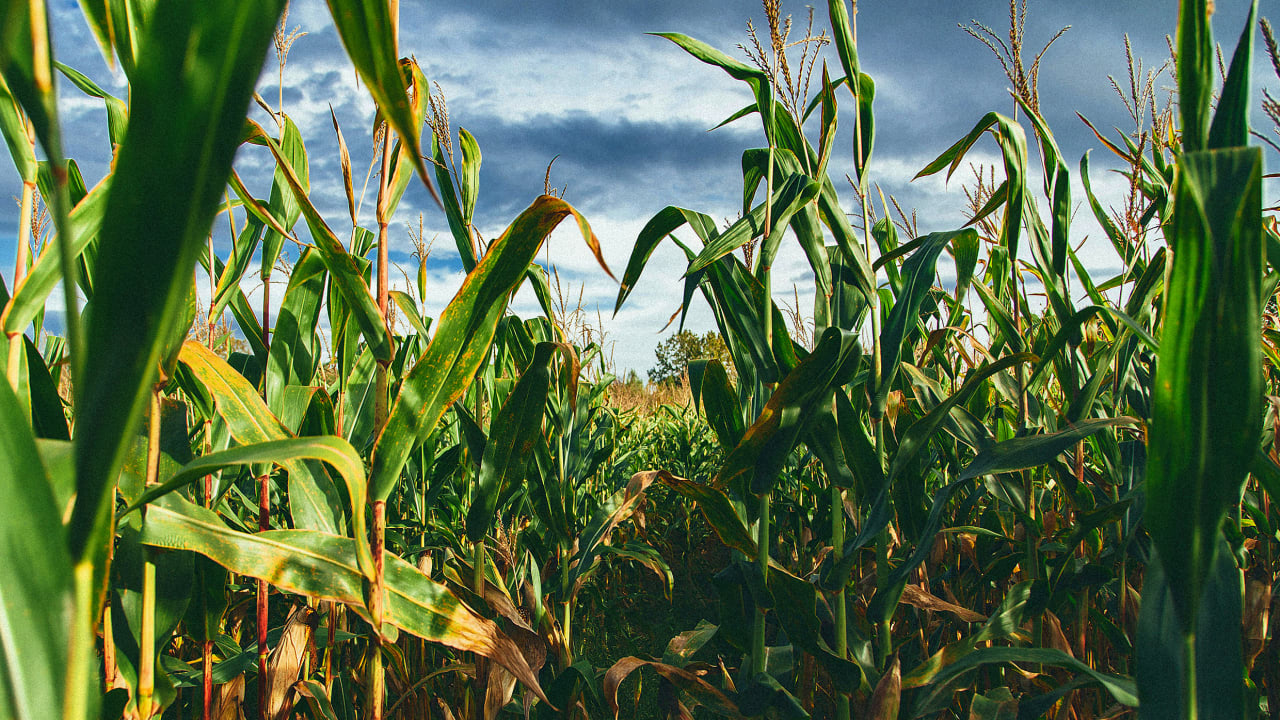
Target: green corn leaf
x=15 y=135
x=847 y=49
x=1121 y=689
x=1207 y=394
x=1195 y=72
x=402 y=164
x=1230 y=126
x=147 y=253
x=26 y=64
x=1117 y=238
x=1000 y=316
x=239 y=306
x=242 y=251
x=822 y=436
x=1013 y=149
x=716 y=507
x=596 y=533
x=788 y=198
x=295 y=350
x=512 y=434
x=858 y=449
x=918 y=435
x=1057 y=188
x=464 y=333
x=767 y=443
x=737 y=297
x=322 y=567
x=117 y=110
x=358 y=401
x=795 y=603
x=964 y=249
x=712 y=392
x=409 y=311
x=458 y=227
x=20 y=386
x=47 y=416
x=250 y=203
x=283 y=204
x=761 y=85
x=35 y=579
x=98 y=14
x=1161 y=659
x=1035 y=450
x=203 y=621
x=918 y=273
x=129 y=22
x=470 y=173
x=307 y=411
x=667 y=221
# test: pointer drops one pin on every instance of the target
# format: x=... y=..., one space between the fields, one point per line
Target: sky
x=628 y=117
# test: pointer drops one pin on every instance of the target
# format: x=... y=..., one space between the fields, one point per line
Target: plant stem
x=377 y=681
x=1190 y=709
x=147 y=650
x=264 y=523
x=758 y=664
x=147 y=643
x=477 y=568
x=884 y=635
x=566 y=614
x=76 y=693
x=16 y=348
x=838 y=598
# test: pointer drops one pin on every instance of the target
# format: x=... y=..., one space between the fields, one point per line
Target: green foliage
x=933 y=504
x=674 y=354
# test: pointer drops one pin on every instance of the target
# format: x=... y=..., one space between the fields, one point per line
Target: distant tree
x=675 y=353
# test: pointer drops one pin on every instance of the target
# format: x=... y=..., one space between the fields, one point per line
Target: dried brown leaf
x=917 y=598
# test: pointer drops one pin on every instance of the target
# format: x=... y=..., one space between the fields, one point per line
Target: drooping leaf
x=767 y=443
x=323 y=566
x=335 y=451
x=1034 y=450
x=463 y=336
x=702 y=692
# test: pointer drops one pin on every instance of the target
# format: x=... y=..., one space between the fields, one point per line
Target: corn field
x=1029 y=493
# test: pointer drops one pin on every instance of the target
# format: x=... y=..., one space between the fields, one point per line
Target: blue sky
x=628 y=115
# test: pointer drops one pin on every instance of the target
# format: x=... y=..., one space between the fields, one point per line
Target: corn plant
x=1026 y=408
x=944 y=501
